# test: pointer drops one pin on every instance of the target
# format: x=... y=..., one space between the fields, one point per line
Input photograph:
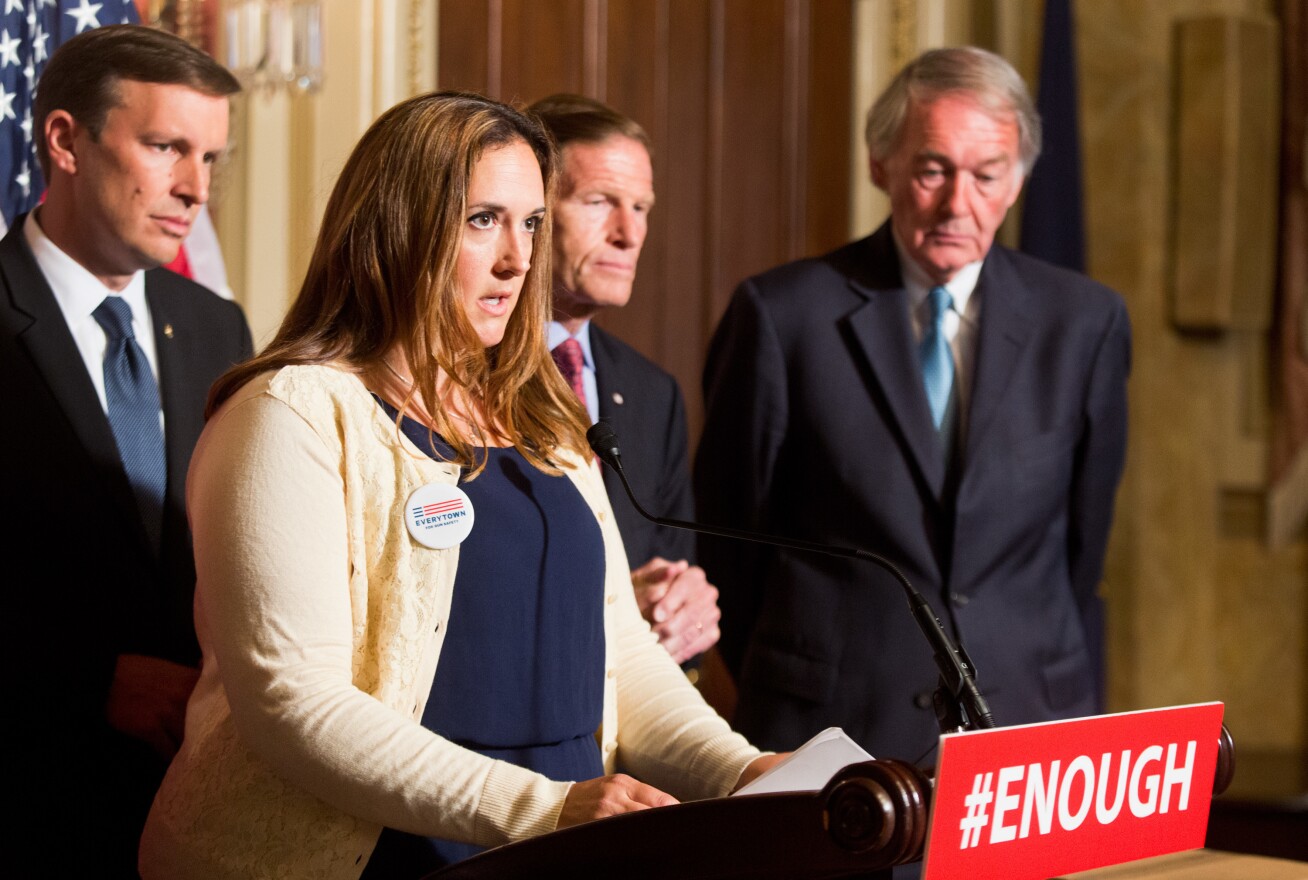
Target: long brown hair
x=383 y=275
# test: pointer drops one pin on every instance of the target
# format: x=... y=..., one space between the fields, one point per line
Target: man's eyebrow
x=932 y=156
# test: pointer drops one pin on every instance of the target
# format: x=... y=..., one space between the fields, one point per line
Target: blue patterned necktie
x=133 y=399
x=937 y=359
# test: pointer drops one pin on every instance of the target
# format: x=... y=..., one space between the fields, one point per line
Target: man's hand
x=147 y=700
x=680 y=604
x=609 y=796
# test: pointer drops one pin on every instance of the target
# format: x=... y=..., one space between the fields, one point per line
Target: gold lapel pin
x=617 y=398
x=168 y=330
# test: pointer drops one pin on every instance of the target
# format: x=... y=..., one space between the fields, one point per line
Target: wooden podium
x=868 y=818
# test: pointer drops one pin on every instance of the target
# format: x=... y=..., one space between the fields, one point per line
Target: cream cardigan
x=321 y=623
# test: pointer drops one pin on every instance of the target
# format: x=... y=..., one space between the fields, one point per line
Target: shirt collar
x=919 y=284
x=76 y=290
x=556 y=333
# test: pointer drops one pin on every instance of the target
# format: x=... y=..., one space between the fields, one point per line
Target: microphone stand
x=959 y=704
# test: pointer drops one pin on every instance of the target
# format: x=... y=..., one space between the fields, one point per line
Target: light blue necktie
x=133 y=399
x=937 y=359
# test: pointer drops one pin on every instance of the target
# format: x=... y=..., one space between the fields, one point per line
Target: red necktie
x=570 y=361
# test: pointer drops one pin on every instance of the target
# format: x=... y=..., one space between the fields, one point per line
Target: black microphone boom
x=965 y=707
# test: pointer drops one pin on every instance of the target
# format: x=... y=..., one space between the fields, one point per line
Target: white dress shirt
x=79 y=293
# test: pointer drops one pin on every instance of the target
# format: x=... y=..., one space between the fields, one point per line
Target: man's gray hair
x=984 y=76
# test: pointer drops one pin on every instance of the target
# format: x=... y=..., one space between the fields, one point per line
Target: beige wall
x=1199 y=607
x=288 y=149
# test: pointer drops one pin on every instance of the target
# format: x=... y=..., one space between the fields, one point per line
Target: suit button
x=959 y=599
x=924 y=699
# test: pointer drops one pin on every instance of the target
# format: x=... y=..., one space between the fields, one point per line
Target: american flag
x=30 y=30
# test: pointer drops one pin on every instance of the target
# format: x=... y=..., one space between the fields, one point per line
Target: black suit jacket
x=644 y=405
x=81 y=578
x=818 y=428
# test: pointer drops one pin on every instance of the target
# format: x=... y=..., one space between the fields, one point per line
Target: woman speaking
x=418 y=627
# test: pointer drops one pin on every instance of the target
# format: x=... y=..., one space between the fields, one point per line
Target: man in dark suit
x=105 y=364
x=606 y=191
x=921 y=393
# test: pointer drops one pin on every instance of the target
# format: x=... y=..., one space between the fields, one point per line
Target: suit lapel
x=883 y=331
x=176 y=394
x=50 y=344
x=1003 y=334
x=611 y=405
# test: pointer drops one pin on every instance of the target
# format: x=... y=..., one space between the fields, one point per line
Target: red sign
x=1041 y=800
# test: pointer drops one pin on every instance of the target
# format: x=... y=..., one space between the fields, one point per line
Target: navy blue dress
x=521 y=672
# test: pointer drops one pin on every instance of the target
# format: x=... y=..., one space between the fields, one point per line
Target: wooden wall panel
x=747 y=103
x=547 y=47
x=463 y=58
x=1228 y=122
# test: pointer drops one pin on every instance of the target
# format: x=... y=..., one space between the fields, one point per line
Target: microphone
x=959 y=704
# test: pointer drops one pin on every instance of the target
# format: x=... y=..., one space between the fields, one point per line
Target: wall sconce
x=274 y=44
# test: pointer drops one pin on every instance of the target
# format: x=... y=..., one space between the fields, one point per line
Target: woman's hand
x=609 y=796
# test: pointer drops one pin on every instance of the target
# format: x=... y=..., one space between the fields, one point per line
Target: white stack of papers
x=810 y=766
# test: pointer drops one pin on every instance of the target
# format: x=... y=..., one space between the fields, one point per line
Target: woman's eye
x=484 y=220
x=533 y=223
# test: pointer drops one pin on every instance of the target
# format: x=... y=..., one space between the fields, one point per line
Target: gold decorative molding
x=904 y=26
x=415 y=46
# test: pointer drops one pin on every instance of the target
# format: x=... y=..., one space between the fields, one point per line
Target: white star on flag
x=6 y=104
x=9 y=49
x=13 y=6
x=39 y=48
x=87 y=15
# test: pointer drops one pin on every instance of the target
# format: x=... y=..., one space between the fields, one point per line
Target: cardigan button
x=611 y=673
x=610 y=598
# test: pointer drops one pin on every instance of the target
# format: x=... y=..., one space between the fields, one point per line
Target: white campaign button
x=439 y=515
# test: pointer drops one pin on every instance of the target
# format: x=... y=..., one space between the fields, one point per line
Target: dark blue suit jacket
x=644 y=405
x=818 y=428
x=83 y=586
